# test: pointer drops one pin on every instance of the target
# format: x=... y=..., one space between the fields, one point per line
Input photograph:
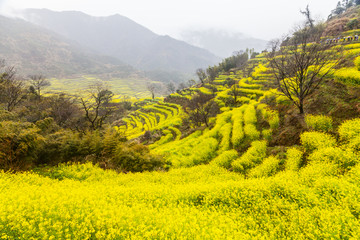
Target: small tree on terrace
x=154 y=88
x=201 y=75
x=301 y=65
x=200 y=108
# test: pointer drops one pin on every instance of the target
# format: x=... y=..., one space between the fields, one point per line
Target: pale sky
x=266 y=19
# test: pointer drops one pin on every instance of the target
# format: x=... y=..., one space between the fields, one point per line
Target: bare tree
x=234 y=92
x=63 y=109
x=152 y=89
x=170 y=87
x=38 y=83
x=200 y=108
x=307 y=14
x=301 y=65
x=97 y=105
x=201 y=75
x=11 y=88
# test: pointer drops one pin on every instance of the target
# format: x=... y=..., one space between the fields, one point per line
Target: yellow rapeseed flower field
x=203 y=202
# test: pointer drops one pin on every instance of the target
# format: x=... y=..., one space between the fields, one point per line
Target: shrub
x=225 y=158
x=344 y=159
x=267 y=168
x=353 y=24
x=316 y=140
x=267 y=133
x=253 y=156
x=319 y=122
x=350 y=129
x=293 y=159
x=19 y=144
x=135 y=157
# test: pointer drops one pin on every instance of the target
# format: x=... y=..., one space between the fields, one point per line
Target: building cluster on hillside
x=342 y=39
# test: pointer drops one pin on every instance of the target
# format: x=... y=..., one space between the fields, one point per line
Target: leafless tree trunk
x=201 y=74
x=11 y=88
x=307 y=14
x=97 y=105
x=301 y=65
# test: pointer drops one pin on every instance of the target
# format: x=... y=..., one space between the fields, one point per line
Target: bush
x=293 y=159
x=19 y=144
x=344 y=159
x=253 y=156
x=319 y=122
x=267 y=168
x=353 y=24
x=135 y=157
x=225 y=158
x=316 y=140
x=350 y=129
x=267 y=133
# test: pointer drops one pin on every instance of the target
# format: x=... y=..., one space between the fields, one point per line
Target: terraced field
x=153 y=116
x=132 y=87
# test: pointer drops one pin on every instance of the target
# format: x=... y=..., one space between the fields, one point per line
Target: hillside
x=33 y=50
x=230 y=157
x=120 y=37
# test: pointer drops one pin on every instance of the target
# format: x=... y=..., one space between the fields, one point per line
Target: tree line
x=37 y=129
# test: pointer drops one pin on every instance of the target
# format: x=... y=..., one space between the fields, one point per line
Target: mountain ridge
x=120 y=37
x=32 y=49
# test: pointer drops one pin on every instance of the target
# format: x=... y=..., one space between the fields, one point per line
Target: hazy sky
x=265 y=19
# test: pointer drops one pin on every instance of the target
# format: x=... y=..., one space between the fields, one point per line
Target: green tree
x=38 y=83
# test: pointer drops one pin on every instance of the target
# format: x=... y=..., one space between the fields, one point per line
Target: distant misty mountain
x=223 y=43
x=120 y=37
x=35 y=50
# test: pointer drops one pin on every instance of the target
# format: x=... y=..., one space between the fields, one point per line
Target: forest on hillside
x=262 y=145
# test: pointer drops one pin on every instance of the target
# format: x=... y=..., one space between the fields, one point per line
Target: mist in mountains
x=32 y=49
x=222 y=43
x=122 y=38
